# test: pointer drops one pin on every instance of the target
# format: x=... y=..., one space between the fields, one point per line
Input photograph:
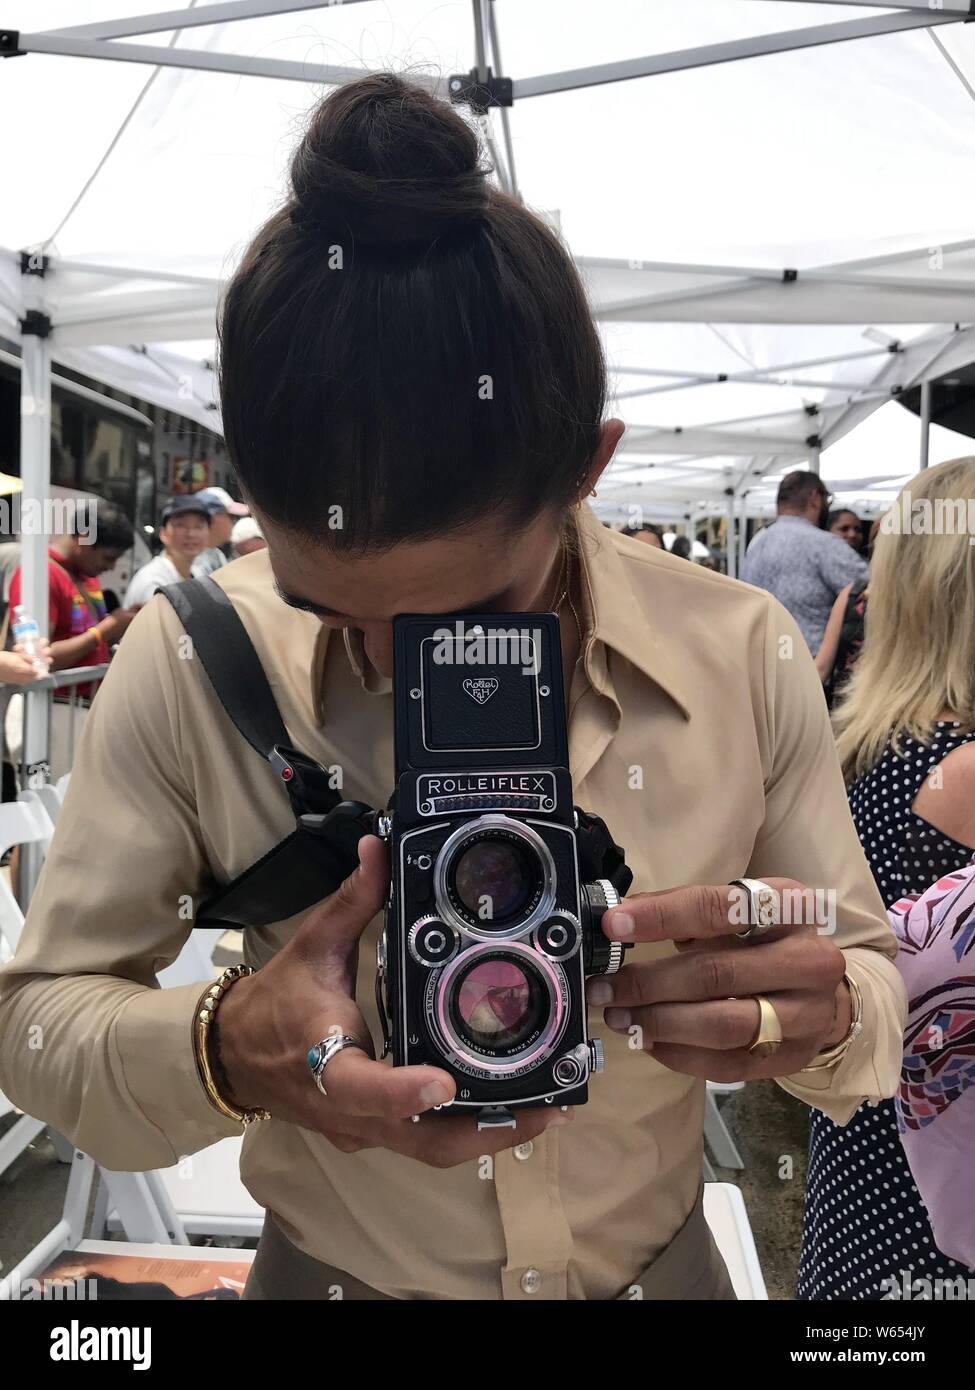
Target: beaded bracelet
x=202 y=1021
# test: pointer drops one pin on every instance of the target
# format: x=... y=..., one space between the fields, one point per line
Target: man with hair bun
x=419 y=433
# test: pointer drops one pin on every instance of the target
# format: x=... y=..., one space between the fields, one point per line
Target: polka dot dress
x=864 y=1220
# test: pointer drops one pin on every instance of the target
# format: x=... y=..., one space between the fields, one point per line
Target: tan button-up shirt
x=698 y=730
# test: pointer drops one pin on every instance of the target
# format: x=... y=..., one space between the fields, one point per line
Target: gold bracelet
x=202 y=1020
x=98 y=634
x=833 y=1054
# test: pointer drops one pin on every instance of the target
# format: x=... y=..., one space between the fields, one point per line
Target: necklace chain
x=565 y=583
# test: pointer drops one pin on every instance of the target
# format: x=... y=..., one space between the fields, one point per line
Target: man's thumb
x=342 y=918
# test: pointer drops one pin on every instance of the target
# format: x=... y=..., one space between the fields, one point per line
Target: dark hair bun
x=389 y=164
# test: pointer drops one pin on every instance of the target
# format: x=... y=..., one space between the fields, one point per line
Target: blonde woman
x=906 y=738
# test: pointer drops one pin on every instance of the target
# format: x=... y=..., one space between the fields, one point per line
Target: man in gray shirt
x=800 y=563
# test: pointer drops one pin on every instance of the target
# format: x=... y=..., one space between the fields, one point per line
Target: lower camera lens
x=499 y=1003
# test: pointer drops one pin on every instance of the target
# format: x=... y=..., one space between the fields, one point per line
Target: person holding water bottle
x=82 y=632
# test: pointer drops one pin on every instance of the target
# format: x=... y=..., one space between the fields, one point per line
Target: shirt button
x=524 y=1151
x=531 y=1281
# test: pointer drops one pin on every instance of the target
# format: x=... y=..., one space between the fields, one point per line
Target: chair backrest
x=21 y=823
x=724 y=1211
x=24 y=822
x=49 y=797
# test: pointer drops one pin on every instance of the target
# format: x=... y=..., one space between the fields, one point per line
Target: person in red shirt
x=80 y=629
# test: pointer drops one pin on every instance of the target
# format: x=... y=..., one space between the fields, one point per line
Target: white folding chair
x=66 y=1235
x=49 y=797
x=201 y=1195
x=724 y=1211
x=716 y=1132
x=19 y=1136
x=21 y=823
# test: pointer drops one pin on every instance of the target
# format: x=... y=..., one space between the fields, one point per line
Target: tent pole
x=814 y=454
x=925 y=422
x=505 y=122
x=35 y=473
x=731 y=552
x=731 y=51
x=204 y=60
x=164 y=20
x=743 y=532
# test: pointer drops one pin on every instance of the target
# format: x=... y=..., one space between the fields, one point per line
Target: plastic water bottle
x=27 y=634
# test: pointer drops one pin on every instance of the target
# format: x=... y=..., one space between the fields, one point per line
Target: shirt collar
x=613 y=618
x=617 y=618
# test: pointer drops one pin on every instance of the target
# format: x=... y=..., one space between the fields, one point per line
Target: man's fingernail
x=599 y=992
x=434 y=1093
x=617 y=1018
x=559 y=1118
x=621 y=924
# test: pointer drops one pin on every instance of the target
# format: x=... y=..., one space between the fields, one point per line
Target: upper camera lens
x=495 y=880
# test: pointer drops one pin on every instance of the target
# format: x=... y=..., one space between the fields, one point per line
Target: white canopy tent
x=770 y=200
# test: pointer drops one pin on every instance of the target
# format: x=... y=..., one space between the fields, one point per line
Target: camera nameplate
x=440 y=794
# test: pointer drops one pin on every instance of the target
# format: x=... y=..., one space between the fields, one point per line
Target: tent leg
x=814 y=459
x=731 y=551
x=35 y=472
x=743 y=532
x=925 y=422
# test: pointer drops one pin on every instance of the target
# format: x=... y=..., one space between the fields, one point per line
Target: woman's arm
x=826 y=656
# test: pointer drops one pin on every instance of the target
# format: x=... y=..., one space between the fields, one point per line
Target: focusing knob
x=616 y=950
x=602 y=957
x=432 y=942
x=596 y=1056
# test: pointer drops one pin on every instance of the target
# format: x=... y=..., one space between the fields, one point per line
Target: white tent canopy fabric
x=770 y=200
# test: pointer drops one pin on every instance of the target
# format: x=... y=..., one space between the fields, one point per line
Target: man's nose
x=377 y=639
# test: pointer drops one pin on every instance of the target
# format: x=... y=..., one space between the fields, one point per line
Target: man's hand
x=268 y=1022
x=696 y=1010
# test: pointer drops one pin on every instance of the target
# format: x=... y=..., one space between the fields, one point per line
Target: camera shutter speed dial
x=432 y=942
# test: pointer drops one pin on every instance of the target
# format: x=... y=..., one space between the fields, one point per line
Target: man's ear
x=610 y=434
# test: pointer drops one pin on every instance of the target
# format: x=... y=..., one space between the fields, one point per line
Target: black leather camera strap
x=227 y=654
x=320 y=852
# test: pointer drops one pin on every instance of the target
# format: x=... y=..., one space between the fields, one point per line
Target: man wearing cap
x=223 y=511
x=247 y=536
x=185 y=534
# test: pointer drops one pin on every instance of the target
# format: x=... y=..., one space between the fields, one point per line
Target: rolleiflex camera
x=498 y=883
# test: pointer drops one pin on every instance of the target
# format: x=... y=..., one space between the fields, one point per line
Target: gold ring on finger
x=768 y=1034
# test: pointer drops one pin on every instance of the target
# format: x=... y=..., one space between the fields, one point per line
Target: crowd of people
x=198 y=533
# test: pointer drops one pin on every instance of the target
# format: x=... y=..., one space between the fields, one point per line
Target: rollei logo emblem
x=481 y=690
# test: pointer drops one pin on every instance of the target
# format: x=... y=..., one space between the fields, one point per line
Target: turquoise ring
x=322 y=1053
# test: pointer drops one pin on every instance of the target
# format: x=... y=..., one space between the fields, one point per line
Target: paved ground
x=769 y=1127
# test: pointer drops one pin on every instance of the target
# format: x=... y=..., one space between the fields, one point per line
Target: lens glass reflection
x=494 y=880
x=499 y=1004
